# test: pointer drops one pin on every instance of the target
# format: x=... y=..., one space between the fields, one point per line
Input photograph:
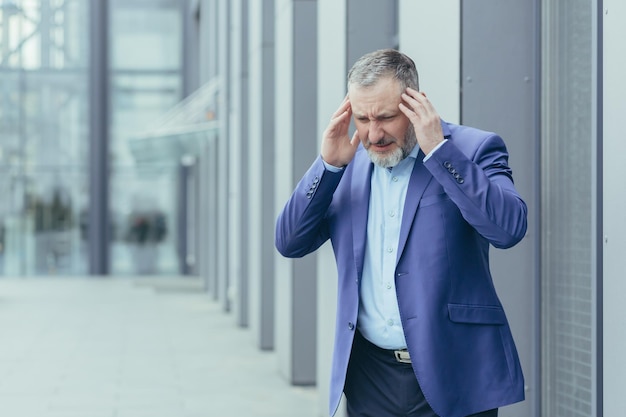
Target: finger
x=341 y=119
x=408 y=112
x=420 y=97
x=345 y=105
x=412 y=92
x=339 y=124
x=419 y=104
x=417 y=95
x=355 y=139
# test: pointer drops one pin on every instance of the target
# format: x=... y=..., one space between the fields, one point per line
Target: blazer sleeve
x=476 y=176
x=301 y=226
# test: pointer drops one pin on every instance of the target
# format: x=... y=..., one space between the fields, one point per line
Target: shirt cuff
x=434 y=150
x=331 y=168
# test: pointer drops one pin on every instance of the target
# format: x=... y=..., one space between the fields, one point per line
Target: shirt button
x=392 y=213
x=390 y=322
x=388 y=286
x=394 y=179
x=389 y=250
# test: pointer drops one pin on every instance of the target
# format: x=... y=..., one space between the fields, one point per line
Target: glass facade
x=43 y=142
x=568 y=303
x=44 y=135
x=146 y=81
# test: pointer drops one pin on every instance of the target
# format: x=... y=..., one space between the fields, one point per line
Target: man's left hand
x=424 y=118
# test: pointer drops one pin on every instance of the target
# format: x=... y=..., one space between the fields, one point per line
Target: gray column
x=238 y=201
x=98 y=218
x=372 y=24
x=208 y=42
x=333 y=67
x=296 y=148
x=210 y=193
x=499 y=77
x=208 y=246
x=611 y=75
x=188 y=199
x=182 y=201
x=190 y=42
x=261 y=172
x=223 y=215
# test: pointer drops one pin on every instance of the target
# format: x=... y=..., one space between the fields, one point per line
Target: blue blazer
x=459 y=202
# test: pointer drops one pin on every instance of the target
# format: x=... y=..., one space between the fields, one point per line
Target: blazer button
x=447 y=164
x=350 y=325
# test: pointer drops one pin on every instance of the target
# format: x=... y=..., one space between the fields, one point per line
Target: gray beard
x=393 y=158
x=387 y=160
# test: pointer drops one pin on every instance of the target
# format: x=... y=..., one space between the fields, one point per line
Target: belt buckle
x=402 y=356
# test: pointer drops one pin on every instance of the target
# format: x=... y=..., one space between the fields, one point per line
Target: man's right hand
x=337 y=148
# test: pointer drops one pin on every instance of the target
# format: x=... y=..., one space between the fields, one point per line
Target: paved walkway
x=122 y=347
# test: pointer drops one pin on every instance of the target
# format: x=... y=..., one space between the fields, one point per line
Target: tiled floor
x=94 y=347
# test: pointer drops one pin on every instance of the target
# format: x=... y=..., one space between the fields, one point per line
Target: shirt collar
x=414 y=152
x=410 y=159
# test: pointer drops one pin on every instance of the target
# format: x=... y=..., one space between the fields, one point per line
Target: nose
x=375 y=132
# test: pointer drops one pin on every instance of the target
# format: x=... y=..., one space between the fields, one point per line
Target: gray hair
x=373 y=66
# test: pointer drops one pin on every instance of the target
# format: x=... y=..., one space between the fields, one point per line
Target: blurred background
x=49 y=137
x=161 y=138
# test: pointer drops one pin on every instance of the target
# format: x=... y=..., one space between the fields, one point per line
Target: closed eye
x=382 y=118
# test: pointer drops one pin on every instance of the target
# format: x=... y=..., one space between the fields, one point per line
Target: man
x=411 y=205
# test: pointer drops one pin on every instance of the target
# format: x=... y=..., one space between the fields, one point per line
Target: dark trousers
x=379 y=386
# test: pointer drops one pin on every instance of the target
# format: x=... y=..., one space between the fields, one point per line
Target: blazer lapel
x=360 y=200
x=420 y=178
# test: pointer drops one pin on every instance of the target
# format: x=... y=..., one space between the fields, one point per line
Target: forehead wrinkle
x=375 y=101
x=376 y=110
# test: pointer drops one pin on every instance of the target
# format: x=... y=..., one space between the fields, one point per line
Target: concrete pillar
x=332 y=70
x=99 y=217
x=223 y=152
x=296 y=148
x=261 y=215
x=613 y=235
x=211 y=192
x=238 y=201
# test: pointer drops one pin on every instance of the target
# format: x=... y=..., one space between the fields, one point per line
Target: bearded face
x=385 y=132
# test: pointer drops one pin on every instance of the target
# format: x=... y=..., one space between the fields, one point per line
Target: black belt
x=400 y=355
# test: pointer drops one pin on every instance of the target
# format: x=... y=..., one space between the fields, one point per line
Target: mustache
x=381 y=142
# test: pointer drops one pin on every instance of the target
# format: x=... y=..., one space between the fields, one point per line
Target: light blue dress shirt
x=379 y=315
